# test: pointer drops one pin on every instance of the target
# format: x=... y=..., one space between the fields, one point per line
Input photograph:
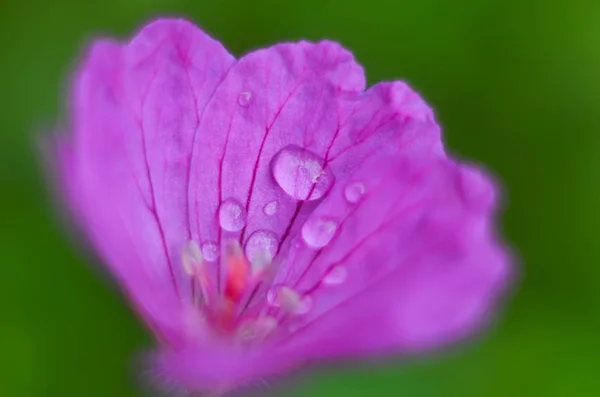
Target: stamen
x=193 y=265
x=223 y=315
x=237 y=272
x=264 y=270
x=191 y=257
x=262 y=265
x=289 y=300
x=226 y=315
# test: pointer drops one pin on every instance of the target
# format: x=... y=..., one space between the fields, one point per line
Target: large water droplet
x=335 y=276
x=244 y=98
x=301 y=173
x=270 y=208
x=210 y=251
x=261 y=243
x=232 y=216
x=318 y=232
x=354 y=192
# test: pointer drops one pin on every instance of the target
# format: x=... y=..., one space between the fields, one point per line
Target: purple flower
x=269 y=212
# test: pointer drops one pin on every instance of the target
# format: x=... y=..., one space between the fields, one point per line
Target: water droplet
x=318 y=232
x=354 y=192
x=232 y=216
x=335 y=276
x=270 y=208
x=261 y=243
x=305 y=305
x=244 y=98
x=301 y=173
x=210 y=251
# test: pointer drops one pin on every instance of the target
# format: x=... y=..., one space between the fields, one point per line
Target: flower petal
x=216 y=368
x=421 y=264
x=137 y=109
x=308 y=97
x=422 y=269
x=174 y=140
x=271 y=98
x=285 y=123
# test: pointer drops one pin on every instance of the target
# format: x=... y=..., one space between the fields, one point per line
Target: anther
x=191 y=257
x=193 y=265
x=289 y=300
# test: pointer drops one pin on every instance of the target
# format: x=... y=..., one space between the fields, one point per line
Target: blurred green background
x=515 y=84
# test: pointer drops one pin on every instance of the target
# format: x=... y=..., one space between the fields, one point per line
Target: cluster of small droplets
x=304 y=176
x=224 y=310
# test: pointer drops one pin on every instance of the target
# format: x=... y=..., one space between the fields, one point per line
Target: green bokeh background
x=515 y=84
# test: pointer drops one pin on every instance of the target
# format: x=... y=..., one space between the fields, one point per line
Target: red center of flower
x=237 y=276
x=229 y=312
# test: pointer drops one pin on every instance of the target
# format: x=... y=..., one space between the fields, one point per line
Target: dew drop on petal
x=318 y=232
x=244 y=98
x=270 y=208
x=261 y=243
x=335 y=276
x=354 y=192
x=301 y=173
x=210 y=251
x=232 y=216
x=272 y=296
x=306 y=304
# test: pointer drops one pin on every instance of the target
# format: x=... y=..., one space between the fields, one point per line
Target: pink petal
x=173 y=140
x=422 y=265
x=137 y=112
x=304 y=96
x=423 y=269
x=300 y=101
x=271 y=98
x=217 y=368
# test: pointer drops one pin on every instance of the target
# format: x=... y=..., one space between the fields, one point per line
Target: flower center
x=245 y=308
